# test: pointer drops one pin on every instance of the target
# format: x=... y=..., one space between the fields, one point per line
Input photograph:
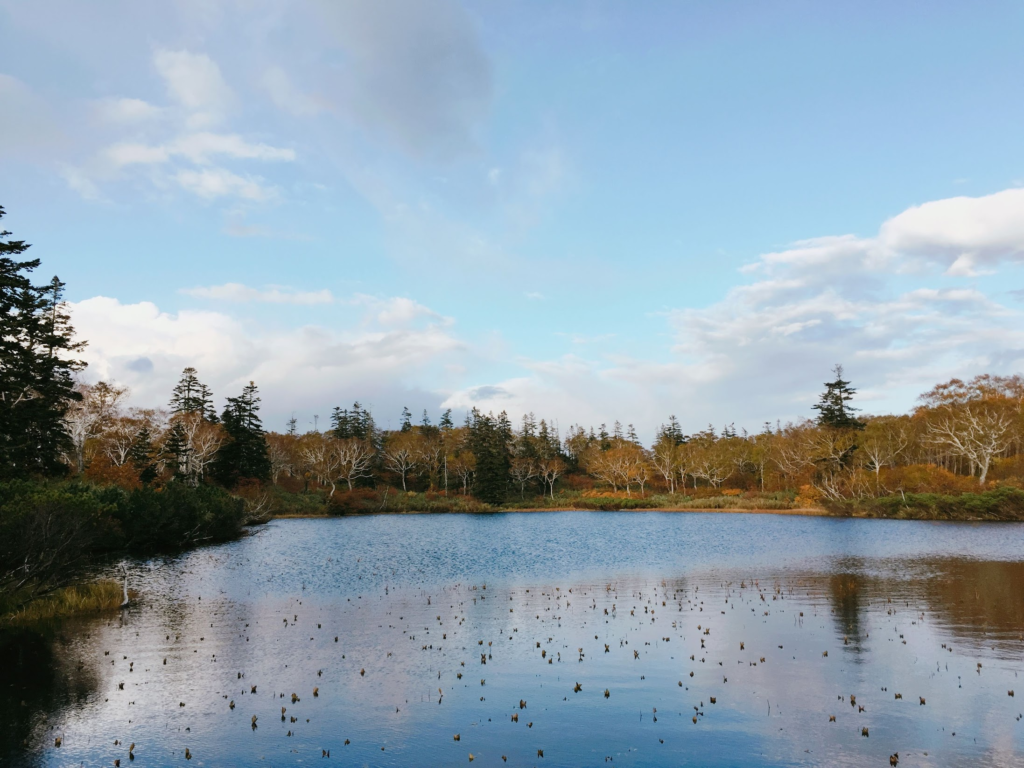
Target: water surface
x=413 y=629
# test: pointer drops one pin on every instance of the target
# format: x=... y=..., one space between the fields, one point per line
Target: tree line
x=963 y=435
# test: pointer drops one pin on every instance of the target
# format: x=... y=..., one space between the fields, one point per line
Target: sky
x=594 y=211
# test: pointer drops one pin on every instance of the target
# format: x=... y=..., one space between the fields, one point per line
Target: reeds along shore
x=87 y=598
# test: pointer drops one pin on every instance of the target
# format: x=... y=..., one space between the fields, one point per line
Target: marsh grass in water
x=93 y=597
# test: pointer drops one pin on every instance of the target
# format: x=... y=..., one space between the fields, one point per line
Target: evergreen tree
x=244 y=452
x=141 y=456
x=355 y=423
x=293 y=428
x=672 y=431
x=426 y=420
x=192 y=396
x=341 y=423
x=406 y=419
x=489 y=445
x=446 y=422
x=36 y=383
x=833 y=406
x=176 y=450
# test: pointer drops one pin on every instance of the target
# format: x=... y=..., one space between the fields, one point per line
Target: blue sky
x=594 y=211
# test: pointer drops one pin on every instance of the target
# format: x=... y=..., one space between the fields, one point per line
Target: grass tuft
x=94 y=597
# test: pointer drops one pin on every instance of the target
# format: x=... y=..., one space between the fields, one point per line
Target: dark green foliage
x=355 y=423
x=51 y=531
x=142 y=456
x=489 y=441
x=177 y=516
x=175 y=450
x=36 y=384
x=244 y=453
x=671 y=431
x=192 y=396
x=446 y=422
x=999 y=504
x=833 y=407
x=406 y=420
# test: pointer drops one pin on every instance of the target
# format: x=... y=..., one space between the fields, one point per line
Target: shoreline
x=797 y=512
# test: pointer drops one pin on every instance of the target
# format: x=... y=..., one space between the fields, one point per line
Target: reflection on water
x=622 y=638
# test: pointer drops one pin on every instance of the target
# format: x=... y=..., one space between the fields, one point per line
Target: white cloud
x=397 y=311
x=212 y=183
x=194 y=80
x=80 y=182
x=199 y=147
x=127 y=153
x=308 y=369
x=964 y=233
x=126 y=111
x=236 y=292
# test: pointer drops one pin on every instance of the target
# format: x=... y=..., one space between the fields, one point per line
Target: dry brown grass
x=93 y=597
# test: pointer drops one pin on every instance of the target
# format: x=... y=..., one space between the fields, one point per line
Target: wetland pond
x=555 y=639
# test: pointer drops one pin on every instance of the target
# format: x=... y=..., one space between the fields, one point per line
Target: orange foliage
x=102 y=472
x=927 y=478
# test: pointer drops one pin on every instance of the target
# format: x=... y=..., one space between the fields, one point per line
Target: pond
x=546 y=639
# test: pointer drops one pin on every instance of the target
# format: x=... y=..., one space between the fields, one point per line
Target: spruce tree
x=244 y=453
x=36 y=372
x=833 y=406
x=175 y=451
x=446 y=422
x=192 y=396
x=141 y=456
x=406 y=420
x=672 y=431
x=489 y=445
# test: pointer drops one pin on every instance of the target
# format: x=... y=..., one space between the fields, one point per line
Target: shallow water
x=382 y=615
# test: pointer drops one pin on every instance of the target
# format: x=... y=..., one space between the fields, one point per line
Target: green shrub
x=1005 y=503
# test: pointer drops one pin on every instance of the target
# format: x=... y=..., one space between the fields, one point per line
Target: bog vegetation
x=84 y=473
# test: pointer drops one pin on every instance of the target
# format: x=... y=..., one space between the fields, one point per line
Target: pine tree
x=833 y=406
x=406 y=419
x=293 y=428
x=192 y=396
x=36 y=382
x=244 y=453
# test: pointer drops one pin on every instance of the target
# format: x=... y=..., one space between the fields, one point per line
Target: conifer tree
x=406 y=419
x=141 y=456
x=446 y=422
x=176 y=450
x=833 y=406
x=244 y=453
x=192 y=396
x=672 y=431
x=489 y=445
x=36 y=383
